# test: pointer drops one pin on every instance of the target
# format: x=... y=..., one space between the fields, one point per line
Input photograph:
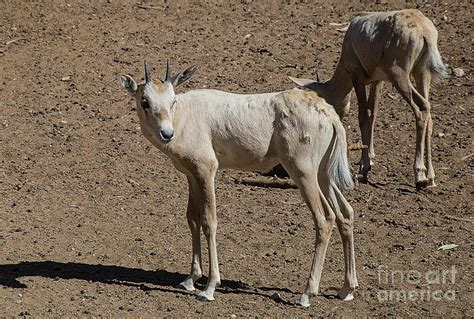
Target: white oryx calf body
x=387 y=46
x=205 y=130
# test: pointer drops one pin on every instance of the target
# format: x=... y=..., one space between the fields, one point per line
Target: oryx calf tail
x=435 y=62
x=338 y=165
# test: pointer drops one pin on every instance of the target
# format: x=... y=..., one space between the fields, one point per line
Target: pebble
x=276 y=297
x=458 y=72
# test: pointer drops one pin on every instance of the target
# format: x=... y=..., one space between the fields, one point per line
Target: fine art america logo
x=432 y=285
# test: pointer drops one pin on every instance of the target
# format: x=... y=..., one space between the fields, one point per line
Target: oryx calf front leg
x=193 y=215
x=201 y=214
x=207 y=203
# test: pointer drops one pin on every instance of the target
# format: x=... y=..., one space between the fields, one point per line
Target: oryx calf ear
x=129 y=84
x=182 y=77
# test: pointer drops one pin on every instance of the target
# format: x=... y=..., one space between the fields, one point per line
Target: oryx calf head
x=155 y=101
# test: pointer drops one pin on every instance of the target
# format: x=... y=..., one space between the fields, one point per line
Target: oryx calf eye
x=144 y=103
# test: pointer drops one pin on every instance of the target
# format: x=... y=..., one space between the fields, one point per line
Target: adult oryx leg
x=421 y=108
x=358 y=81
x=423 y=80
x=193 y=215
x=372 y=107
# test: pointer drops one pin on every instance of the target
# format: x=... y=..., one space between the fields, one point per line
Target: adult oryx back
x=395 y=47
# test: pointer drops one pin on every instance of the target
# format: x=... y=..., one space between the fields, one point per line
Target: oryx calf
x=204 y=130
x=387 y=46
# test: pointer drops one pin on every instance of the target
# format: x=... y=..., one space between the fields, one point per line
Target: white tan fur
x=387 y=46
x=206 y=130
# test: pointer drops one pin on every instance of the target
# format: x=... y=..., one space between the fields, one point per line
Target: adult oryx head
x=155 y=100
x=326 y=90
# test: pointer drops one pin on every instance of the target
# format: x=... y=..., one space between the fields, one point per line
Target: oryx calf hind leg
x=345 y=220
x=345 y=223
x=323 y=218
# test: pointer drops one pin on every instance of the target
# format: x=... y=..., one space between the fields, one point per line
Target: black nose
x=167 y=135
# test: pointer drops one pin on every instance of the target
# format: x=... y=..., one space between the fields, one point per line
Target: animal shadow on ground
x=160 y=279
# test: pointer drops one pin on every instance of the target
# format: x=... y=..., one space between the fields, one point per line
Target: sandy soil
x=92 y=219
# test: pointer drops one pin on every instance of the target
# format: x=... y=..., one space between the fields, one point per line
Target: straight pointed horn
x=147 y=74
x=318 y=79
x=168 y=72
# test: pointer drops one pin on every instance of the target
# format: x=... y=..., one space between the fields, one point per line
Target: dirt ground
x=92 y=219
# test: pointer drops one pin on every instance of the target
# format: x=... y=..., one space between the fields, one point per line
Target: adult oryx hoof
x=362 y=179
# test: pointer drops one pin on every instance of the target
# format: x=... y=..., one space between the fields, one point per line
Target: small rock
x=440 y=134
x=458 y=72
x=248 y=35
x=233 y=316
x=276 y=297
